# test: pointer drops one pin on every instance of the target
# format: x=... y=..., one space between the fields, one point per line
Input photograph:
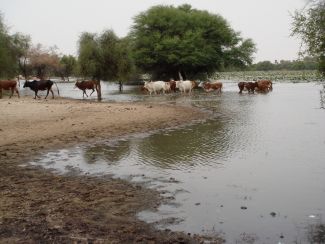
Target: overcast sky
x=60 y=22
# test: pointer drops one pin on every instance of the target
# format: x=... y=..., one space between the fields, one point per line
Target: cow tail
x=57 y=88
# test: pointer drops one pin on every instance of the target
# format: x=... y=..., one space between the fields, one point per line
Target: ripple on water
x=261 y=152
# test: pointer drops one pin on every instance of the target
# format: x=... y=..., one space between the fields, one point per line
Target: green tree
x=309 y=25
x=264 y=66
x=171 y=40
x=307 y=63
x=22 y=45
x=240 y=57
x=67 y=66
x=10 y=51
x=104 y=57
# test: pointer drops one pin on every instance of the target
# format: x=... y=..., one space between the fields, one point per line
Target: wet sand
x=39 y=206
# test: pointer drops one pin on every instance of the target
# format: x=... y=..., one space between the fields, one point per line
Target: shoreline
x=37 y=205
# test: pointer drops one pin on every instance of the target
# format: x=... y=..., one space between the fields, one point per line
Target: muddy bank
x=38 y=206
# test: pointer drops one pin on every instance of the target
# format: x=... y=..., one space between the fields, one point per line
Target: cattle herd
x=151 y=87
x=187 y=86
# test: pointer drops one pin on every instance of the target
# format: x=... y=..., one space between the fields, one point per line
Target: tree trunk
x=120 y=86
x=99 y=91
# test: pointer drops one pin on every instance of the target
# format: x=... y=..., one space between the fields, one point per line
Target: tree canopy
x=171 y=40
x=43 y=61
x=309 y=25
x=67 y=66
x=12 y=48
x=104 y=56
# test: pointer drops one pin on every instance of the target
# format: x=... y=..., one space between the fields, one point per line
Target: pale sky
x=60 y=22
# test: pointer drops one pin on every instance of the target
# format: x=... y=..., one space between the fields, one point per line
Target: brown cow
x=211 y=86
x=249 y=86
x=87 y=84
x=172 y=85
x=8 y=85
x=194 y=84
x=264 y=85
x=143 y=89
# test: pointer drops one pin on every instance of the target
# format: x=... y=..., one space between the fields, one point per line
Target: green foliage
x=307 y=63
x=104 y=56
x=9 y=52
x=309 y=25
x=13 y=52
x=23 y=45
x=88 y=56
x=67 y=65
x=169 y=41
x=240 y=57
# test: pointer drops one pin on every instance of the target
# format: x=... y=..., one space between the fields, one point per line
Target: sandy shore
x=38 y=206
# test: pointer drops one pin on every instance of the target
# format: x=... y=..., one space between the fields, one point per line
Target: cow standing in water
x=211 y=86
x=41 y=85
x=249 y=86
x=264 y=86
x=87 y=84
x=172 y=85
x=156 y=86
x=185 y=86
x=9 y=85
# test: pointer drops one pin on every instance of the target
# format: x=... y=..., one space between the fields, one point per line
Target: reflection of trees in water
x=322 y=97
x=111 y=153
x=316 y=233
x=209 y=142
x=184 y=146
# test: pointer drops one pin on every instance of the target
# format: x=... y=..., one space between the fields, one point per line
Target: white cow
x=184 y=85
x=167 y=87
x=155 y=86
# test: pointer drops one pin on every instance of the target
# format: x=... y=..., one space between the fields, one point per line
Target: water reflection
x=186 y=147
x=110 y=152
x=316 y=233
x=322 y=97
x=254 y=171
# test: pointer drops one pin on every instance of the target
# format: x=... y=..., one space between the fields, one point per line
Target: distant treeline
x=308 y=63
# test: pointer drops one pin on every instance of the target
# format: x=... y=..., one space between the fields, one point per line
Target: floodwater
x=253 y=173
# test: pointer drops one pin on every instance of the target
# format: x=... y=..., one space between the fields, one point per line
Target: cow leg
x=240 y=88
x=83 y=94
x=17 y=92
x=36 y=94
x=0 y=93
x=48 y=90
x=52 y=93
x=92 y=92
x=12 y=92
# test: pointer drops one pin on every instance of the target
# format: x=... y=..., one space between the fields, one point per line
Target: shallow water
x=254 y=172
